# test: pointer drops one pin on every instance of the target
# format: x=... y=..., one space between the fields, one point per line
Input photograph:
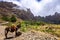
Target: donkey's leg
x=16 y=32
x=6 y=32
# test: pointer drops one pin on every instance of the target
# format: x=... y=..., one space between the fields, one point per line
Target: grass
x=49 y=28
x=26 y=26
x=52 y=29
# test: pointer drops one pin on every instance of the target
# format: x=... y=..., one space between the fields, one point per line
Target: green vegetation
x=33 y=23
x=48 y=28
x=10 y=19
x=5 y=18
x=52 y=29
x=29 y=25
x=13 y=19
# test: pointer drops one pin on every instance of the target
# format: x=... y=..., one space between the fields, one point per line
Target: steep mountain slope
x=7 y=9
x=55 y=19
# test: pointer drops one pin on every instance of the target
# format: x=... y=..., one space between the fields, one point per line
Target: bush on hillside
x=13 y=19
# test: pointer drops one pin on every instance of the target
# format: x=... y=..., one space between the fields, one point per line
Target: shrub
x=13 y=19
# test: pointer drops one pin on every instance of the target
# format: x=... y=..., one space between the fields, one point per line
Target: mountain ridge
x=7 y=9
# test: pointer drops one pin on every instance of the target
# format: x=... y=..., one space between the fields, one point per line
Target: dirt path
x=2 y=32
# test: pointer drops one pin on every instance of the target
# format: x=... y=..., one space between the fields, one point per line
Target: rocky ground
x=31 y=35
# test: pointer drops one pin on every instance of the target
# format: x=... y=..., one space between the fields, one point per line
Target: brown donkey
x=12 y=29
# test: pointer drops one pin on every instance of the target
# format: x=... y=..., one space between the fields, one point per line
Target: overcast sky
x=39 y=7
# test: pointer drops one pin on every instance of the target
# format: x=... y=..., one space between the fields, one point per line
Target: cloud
x=51 y=8
x=38 y=0
x=39 y=7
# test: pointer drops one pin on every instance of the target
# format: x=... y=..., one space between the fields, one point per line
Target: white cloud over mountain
x=39 y=7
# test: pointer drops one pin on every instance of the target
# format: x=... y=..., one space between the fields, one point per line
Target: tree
x=13 y=19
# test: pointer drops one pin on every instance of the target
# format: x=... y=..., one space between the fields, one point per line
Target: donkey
x=12 y=29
